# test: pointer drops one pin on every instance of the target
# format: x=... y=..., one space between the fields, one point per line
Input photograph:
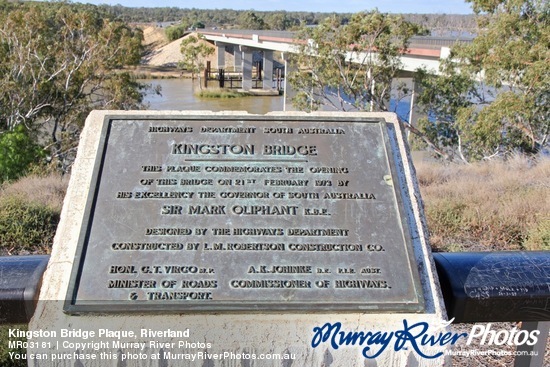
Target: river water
x=179 y=94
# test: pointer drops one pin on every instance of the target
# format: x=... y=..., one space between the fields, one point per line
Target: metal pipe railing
x=20 y=281
x=476 y=287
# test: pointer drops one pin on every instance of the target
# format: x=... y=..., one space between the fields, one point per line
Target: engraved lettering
x=361 y=284
x=163 y=195
x=303 y=195
x=170 y=129
x=228 y=130
x=206 y=210
x=122 y=269
x=178 y=296
x=324 y=247
x=278 y=130
x=168 y=232
x=186 y=169
x=127 y=283
x=323 y=183
x=196 y=182
x=295 y=169
x=258 y=232
x=286 y=182
x=319 y=232
x=339 y=170
x=151 y=168
x=369 y=270
x=281 y=269
x=176 y=269
x=199 y=149
x=242 y=283
x=316 y=211
x=199 y=284
x=346 y=271
x=147 y=246
x=221 y=231
x=290 y=150
x=244 y=195
x=320 y=130
x=166 y=181
x=264 y=210
x=244 y=169
x=171 y=210
x=349 y=196
x=245 y=247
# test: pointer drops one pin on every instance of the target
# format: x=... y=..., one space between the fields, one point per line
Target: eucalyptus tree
x=59 y=61
x=350 y=66
x=493 y=96
x=194 y=51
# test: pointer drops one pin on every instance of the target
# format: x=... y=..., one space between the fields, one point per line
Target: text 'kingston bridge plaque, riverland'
x=229 y=213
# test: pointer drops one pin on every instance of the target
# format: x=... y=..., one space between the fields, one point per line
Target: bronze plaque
x=243 y=213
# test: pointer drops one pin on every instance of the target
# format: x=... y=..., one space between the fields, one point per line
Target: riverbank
x=158 y=72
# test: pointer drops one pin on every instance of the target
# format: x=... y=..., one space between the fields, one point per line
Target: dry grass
x=487 y=206
x=153 y=37
x=29 y=212
x=44 y=190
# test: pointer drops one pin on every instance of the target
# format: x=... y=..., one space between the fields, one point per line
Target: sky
x=346 y=6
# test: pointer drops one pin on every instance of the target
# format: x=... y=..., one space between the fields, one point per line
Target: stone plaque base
x=314 y=333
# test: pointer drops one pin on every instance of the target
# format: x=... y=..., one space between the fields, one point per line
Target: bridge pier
x=238 y=58
x=267 y=81
x=414 y=113
x=220 y=49
x=246 y=65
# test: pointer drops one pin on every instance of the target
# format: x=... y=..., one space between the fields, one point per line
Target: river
x=179 y=94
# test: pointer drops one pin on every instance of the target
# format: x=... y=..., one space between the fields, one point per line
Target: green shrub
x=18 y=152
x=221 y=93
x=175 y=32
x=26 y=226
x=539 y=236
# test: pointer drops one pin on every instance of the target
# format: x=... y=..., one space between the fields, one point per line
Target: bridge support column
x=220 y=49
x=237 y=63
x=412 y=113
x=267 y=82
x=247 y=68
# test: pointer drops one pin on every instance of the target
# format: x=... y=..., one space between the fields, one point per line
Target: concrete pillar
x=238 y=58
x=220 y=49
x=267 y=82
x=247 y=68
x=289 y=92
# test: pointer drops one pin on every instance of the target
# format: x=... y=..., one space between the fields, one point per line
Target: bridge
x=424 y=51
